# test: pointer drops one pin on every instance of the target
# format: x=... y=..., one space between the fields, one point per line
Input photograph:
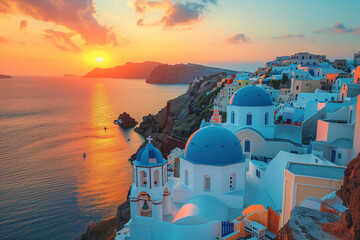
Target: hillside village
x=278 y=140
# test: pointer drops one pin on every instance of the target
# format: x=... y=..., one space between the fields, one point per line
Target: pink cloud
x=76 y=15
x=339 y=28
x=238 y=39
x=289 y=36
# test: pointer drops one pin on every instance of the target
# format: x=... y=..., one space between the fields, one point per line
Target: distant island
x=157 y=73
x=127 y=71
x=5 y=76
x=182 y=73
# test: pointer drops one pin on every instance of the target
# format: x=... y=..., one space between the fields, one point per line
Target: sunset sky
x=49 y=37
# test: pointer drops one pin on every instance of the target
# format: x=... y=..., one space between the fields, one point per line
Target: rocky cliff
x=182 y=73
x=182 y=116
x=305 y=223
x=128 y=71
x=350 y=195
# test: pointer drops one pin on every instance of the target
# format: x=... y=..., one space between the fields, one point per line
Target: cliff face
x=182 y=73
x=182 y=116
x=350 y=195
x=127 y=71
x=5 y=76
x=305 y=223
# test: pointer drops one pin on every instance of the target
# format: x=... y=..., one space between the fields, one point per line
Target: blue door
x=333 y=155
x=226 y=228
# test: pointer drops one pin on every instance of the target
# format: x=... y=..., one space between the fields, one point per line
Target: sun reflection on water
x=102 y=178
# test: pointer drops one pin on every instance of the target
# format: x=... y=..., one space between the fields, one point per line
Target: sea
x=48 y=190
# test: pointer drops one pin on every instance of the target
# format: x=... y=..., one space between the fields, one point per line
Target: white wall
x=220 y=182
x=261 y=148
x=330 y=131
x=143 y=228
x=357 y=129
x=258 y=118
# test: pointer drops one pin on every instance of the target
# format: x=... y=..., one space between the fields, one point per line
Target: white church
x=210 y=189
x=250 y=116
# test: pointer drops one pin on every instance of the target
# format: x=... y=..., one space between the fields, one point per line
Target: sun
x=99 y=59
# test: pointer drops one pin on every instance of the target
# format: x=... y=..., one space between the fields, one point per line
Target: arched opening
x=249 y=119
x=247 y=146
x=266 y=118
x=186 y=177
x=145 y=204
x=232 y=181
x=207 y=183
x=232 y=117
x=156 y=178
x=143 y=178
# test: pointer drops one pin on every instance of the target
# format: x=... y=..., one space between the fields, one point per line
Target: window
x=232 y=117
x=297 y=87
x=232 y=181
x=266 y=118
x=186 y=177
x=249 y=119
x=339 y=155
x=247 y=145
x=207 y=183
x=156 y=178
x=143 y=179
x=258 y=174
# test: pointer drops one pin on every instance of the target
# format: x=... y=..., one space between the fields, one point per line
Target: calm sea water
x=47 y=189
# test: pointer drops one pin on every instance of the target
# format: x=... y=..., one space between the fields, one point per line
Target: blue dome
x=215 y=146
x=251 y=96
x=149 y=152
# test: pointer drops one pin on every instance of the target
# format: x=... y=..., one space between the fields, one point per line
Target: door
x=333 y=156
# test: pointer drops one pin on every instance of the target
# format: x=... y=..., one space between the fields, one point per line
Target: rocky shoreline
x=169 y=128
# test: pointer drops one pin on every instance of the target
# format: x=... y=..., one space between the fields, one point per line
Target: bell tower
x=150 y=196
x=216 y=117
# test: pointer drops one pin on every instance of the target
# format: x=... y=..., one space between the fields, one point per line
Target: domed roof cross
x=149 y=139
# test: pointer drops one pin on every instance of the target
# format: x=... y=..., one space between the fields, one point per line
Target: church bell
x=145 y=206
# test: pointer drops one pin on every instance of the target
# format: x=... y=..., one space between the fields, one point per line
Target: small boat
x=119 y=121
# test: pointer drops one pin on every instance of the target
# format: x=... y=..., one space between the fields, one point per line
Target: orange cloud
x=76 y=15
x=23 y=25
x=61 y=40
x=4 y=40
